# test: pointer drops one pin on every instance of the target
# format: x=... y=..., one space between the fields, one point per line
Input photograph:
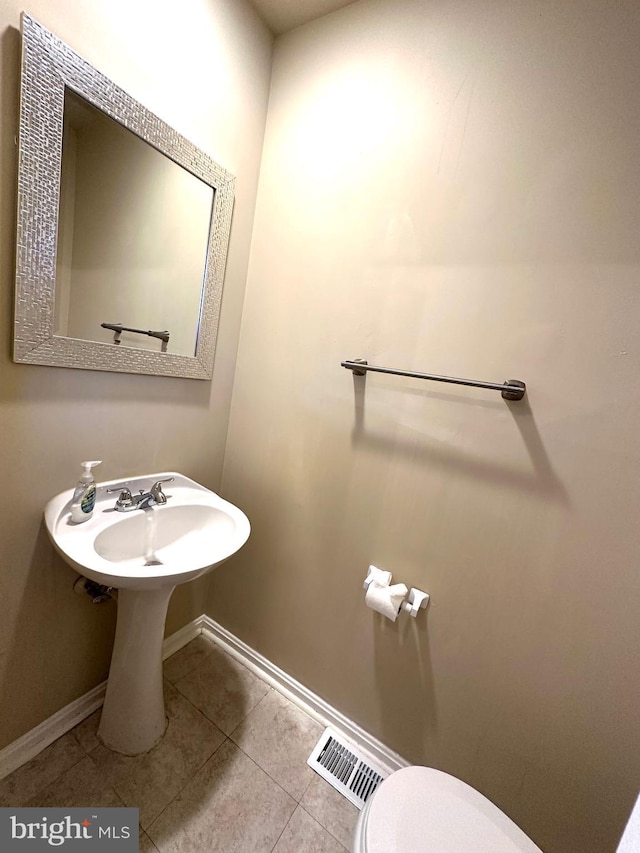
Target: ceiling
x=283 y=15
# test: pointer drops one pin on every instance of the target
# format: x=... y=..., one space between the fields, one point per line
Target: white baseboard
x=301 y=696
x=33 y=742
x=181 y=637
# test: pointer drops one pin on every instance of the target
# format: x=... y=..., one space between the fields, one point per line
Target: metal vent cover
x=345 y=767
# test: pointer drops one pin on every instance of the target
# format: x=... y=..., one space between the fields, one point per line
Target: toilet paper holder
x=415 y=600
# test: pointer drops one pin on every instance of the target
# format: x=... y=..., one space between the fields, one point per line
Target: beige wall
x=190 y=66
x=453 y=187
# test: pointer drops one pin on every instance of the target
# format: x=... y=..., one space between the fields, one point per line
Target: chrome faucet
x=154 y=497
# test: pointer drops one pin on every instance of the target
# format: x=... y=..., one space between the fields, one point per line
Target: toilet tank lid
x=422 y=810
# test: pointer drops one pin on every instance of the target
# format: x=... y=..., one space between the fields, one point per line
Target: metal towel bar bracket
x=118 y=328
x=512 y=389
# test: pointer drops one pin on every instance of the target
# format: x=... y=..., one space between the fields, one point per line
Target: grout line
x=326 y=829
x=311 y=778
x=201 y=712
x=248 y=714
x=51 y=783
x=79 y=742
x=142 y=832
x=284 y=828
x=196 y=664
x=266 y=773
x=188 y=782
x=236 y=744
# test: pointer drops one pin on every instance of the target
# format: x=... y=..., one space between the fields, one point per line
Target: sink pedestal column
x=133 y=717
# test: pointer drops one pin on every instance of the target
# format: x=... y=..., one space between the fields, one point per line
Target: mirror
x=123 y=226
x=133 y=228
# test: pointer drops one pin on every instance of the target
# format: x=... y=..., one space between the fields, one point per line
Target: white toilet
x=422 y=810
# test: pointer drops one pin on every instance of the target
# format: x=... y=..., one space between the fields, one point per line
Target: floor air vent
x=344 y=768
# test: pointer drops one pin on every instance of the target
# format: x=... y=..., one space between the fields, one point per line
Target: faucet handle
x=125 y=498
x=156 y=490
x=121 y=487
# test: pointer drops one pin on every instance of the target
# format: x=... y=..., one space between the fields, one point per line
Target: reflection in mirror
x=132 y=241
x=123 y=226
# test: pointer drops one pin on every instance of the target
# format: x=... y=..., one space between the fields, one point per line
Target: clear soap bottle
x=84 y=496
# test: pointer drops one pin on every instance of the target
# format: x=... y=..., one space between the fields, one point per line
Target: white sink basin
x=161 y=546
x=145 y=553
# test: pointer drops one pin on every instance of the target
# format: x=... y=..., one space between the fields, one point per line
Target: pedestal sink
x=145 y=554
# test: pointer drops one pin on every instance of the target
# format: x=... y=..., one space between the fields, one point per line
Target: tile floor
x=229 y=775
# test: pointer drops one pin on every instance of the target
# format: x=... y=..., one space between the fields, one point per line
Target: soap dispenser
x=84 y=496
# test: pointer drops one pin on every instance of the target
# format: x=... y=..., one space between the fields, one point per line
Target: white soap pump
x=84 y=496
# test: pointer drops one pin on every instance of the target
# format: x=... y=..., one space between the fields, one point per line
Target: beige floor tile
x=86 y=732
x=279 y=737
x=36 y=775
x=231 y=806
x=332 y=811
x=150 y=781
x=303 y=833
x=82 y=785
x=186 y=659
x=224 y=690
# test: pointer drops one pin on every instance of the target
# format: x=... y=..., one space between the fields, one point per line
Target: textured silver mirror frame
x=48 y=66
